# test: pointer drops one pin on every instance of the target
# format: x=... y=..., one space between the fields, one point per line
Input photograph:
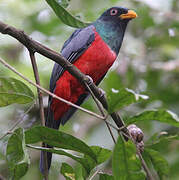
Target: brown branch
x=37 y=79
x=102 y=111
x=34 y=46
x=54 y=96
x=144 y=165
x=42 y=115
x=48 y=92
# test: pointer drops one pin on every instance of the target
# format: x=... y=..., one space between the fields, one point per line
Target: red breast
x=95 y=62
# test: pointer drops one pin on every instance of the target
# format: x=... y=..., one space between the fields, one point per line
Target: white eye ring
x=113 y=12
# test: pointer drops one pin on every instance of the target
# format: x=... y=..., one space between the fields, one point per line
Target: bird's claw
x=90 y=80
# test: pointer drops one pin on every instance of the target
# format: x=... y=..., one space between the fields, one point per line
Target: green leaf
x=119 y=161
x=159 y=138
x=67 y=171
x=157 y=115
x=105 y=177
x=117 y=95
x=64 y=15
x=113 y=80
x=125 y=163
x=137 y=176
x=81 y=160
x=17 y=156
x=79 y=172
x=159 y=163
x=119 y=98
x=58 y=139
x=102 y=155
x=14 y=91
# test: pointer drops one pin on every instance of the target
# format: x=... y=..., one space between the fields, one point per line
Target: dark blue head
x=111 y=25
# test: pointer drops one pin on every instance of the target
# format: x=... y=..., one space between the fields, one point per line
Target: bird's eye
x=113 y=12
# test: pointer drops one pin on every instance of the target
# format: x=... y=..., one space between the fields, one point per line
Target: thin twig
x=144 y=165
x=42 y=115
x=95 y=173
x=17 y=123
x=48 y=92
x=110 y=131
x=37 y=79
x=101 y=110
x=96 y=101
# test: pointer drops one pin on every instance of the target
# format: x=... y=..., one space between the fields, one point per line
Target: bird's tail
x=55 y=124
x=42 y=160
x=51 y=123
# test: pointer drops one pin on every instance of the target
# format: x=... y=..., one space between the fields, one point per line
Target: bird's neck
x=111 y=33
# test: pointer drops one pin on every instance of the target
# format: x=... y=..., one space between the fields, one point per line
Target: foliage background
x=148 y=63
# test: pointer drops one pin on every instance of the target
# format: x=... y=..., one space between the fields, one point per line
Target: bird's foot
x=98 y=92
x=90 y=80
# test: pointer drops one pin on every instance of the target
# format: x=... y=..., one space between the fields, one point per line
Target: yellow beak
x=130 y=15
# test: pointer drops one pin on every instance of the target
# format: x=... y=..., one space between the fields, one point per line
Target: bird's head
x=111 y=25
x=118 y=15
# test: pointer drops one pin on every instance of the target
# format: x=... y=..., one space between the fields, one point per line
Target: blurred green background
x=148 y=63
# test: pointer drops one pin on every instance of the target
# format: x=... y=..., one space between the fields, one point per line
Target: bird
x=93 y=50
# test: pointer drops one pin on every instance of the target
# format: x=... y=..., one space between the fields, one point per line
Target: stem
x=42 y=116
x=102 y=111
x=95 y=173
x=37 y=79
x=144 y=165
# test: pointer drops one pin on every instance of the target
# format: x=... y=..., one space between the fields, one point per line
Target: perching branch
x=48 y=92
x=102 y=112
x=34 y=46
x=53 y=95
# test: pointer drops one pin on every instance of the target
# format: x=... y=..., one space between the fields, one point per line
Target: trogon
x=92 y=50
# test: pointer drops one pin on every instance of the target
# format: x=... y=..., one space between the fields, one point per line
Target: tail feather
x=51 y=123
x=42 y=162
